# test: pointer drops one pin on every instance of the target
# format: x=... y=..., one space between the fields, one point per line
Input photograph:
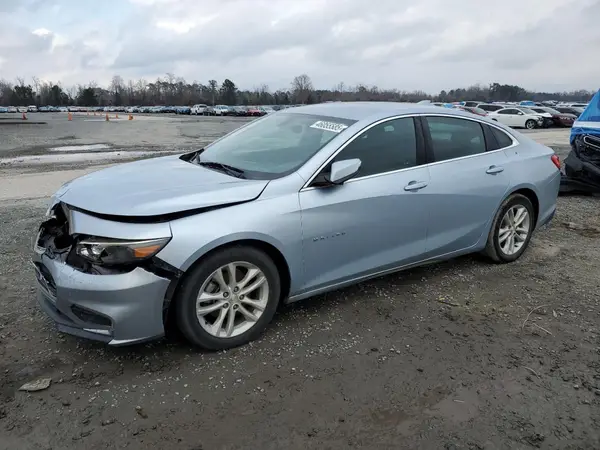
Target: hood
x=156 y=186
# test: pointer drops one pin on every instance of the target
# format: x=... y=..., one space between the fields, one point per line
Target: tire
x=530 y=124
x=189 y=323
x=493 y=249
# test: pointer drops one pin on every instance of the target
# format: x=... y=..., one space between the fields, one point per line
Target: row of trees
x=171 y=90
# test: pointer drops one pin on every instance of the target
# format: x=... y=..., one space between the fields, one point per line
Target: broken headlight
x=104 y=251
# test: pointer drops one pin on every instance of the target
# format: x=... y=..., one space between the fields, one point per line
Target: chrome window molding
x=307 y=187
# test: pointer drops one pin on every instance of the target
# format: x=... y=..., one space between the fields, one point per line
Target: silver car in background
x=297 y=203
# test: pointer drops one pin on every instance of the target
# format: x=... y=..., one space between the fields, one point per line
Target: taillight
x=556 y=160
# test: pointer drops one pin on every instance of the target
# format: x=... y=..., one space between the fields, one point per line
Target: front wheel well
x=270 y=250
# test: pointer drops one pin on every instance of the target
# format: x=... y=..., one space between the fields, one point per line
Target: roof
x=372 y=110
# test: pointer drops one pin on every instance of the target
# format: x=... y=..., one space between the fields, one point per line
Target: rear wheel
x=530 y=124
x=511 y=230
x=229 y=298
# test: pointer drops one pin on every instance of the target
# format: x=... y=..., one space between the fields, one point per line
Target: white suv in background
x=198 y=110
x=220 y=110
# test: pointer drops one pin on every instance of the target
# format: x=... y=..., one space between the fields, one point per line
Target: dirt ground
x=458 y=355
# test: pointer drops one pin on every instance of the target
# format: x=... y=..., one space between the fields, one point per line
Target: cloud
x=405 y=44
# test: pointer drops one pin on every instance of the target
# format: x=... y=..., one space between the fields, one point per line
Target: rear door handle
x=415 y=185
x=494 y=169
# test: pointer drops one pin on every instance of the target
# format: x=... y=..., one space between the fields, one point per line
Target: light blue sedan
x=303 y=201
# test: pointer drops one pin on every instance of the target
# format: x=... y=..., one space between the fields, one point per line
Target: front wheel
x=229 y=298
x=511 y=229
x=530 y=124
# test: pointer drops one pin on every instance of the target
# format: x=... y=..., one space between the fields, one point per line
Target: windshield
x=527 y=110
x=275 y=145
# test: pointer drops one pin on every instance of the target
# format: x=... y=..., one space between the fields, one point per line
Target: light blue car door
x=375 y=221
x=467 y=183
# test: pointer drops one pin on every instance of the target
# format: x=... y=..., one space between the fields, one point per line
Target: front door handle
x=494 y=169
x=415 y=185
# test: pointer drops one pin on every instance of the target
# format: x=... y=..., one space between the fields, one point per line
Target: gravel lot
x=459 y=355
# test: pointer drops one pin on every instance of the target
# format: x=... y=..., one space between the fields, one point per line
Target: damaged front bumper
x=582 y=167
x=116 y=309
x=112 y=306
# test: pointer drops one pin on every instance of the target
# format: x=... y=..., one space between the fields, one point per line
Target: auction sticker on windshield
x=329 y=126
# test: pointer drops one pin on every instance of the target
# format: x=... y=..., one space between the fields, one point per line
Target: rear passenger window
x=502 y=138
x=454 y=138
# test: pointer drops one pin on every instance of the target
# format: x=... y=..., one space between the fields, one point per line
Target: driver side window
x=386 y=147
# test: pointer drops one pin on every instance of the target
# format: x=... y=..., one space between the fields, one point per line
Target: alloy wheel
x=514 y=229
x=232 y=299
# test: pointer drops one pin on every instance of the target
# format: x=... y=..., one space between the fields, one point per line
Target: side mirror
x=342 y=171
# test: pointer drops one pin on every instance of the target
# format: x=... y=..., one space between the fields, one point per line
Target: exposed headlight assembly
x=109 y=252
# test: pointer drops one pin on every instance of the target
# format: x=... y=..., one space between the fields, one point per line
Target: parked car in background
x=346 y=192
x=569 y=110
x=183 y=110
x=556 y=117
x=12 y=109
x=238 y=111
x=267 y=109
x=574 y=105
x=475 y=110
x=220 y=110
x=489 y=107
x=254 y=111
x=518 y=117
x=199 y=109
x=548 y=121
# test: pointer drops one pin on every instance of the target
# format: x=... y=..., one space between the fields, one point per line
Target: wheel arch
x=264 y=243
x=529 y=192
x=525 y=189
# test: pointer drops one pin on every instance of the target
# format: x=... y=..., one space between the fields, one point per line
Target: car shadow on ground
x=290 y=317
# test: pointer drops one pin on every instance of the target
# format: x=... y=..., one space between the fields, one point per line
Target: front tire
x=530 y=124
x=511 y=230
x=229 y=298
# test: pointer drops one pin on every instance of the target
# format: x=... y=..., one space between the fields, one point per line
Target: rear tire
x=513 y=223
x=218 y=290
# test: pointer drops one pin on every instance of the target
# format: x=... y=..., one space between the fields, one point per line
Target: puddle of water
x=75 y=157
x=79 y=148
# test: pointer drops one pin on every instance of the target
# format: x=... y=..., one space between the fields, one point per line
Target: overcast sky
x=405 y=44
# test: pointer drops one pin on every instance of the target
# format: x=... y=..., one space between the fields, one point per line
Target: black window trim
x=491 y=143
x=420 y=144
x=491 y=132
x=417 y=117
